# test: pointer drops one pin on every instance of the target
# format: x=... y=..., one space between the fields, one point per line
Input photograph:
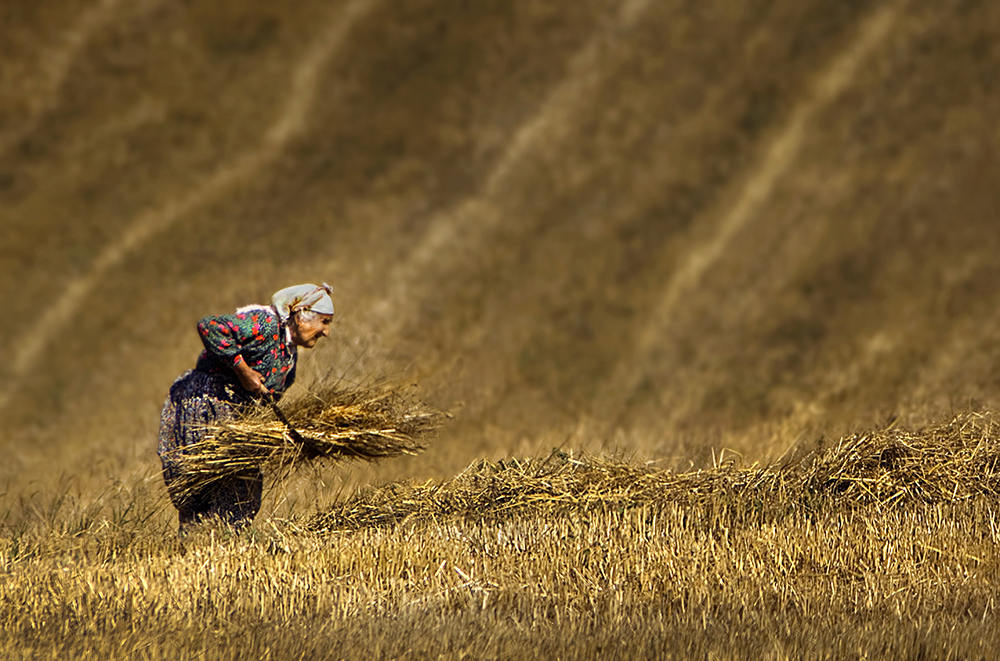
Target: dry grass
x=560 y=557
x=953 y=461
x=947 y=462
x=333 y=424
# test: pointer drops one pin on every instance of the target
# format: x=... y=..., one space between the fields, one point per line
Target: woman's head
x=307 y=327
x=307 y=310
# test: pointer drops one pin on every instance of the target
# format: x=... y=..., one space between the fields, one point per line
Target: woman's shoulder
x=256 y=315
x=248 y=311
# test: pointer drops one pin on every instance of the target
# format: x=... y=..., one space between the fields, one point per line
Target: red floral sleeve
x=225 y=336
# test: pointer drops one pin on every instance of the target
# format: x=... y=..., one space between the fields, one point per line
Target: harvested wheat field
x=664 y=329
x=845 y=548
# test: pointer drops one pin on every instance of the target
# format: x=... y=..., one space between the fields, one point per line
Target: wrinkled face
x=306 y=333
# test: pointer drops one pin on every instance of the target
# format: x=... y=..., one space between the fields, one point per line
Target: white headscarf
x=303 y=297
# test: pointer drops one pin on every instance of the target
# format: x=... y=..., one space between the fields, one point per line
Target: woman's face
x=306 y=333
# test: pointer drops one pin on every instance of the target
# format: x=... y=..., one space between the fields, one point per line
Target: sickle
x=296 y=436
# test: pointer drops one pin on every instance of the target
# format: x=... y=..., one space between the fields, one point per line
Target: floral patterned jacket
x=254 y=335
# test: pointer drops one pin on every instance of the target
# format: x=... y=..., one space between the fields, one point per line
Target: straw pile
x=365 y=423
x=561 y=482
x=954 y=460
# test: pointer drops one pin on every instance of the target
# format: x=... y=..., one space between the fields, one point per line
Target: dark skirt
x=197 y=399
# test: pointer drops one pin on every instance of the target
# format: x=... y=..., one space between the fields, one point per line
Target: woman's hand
x=251 y=380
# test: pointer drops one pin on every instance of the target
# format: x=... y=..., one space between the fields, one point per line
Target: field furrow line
x=776 y=162
x=464 y=229
x=291 y=122
x=55 y=66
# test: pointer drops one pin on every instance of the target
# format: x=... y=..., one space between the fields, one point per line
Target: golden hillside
x=654 y=227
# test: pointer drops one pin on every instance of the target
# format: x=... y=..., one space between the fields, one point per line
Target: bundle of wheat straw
x=559 y=482
x=958 y=459
x=952 y=460
x=366 y=423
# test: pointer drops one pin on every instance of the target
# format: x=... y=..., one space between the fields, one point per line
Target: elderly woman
x=248 y=356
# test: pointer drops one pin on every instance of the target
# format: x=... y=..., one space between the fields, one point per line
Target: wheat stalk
x=365 y=423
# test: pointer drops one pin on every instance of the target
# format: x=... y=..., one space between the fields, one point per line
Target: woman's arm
x=225 y=336
x=251 y=380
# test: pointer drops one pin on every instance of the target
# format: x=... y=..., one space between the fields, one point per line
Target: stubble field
x=884 y=543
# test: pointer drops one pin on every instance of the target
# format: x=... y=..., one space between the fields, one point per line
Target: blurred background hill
x=652 y=227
